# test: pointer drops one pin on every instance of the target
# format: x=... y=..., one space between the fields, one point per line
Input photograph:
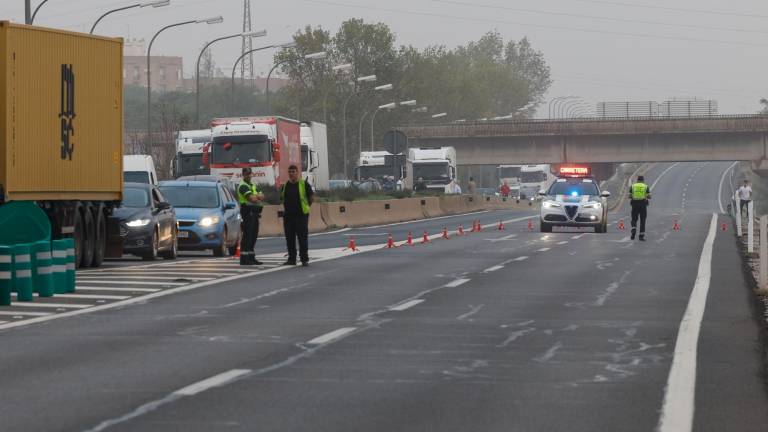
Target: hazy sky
x=601 y=50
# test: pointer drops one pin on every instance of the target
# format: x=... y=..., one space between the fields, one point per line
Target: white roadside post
x=738 y=216
x=750 y=228
x=762 y=273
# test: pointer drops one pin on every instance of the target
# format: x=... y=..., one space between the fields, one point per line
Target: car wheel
x=79 y=237
x=173 y=252
x=89 y=239
x=151 y=254
x=221 y=249
x=545 y=227
x=101 y=238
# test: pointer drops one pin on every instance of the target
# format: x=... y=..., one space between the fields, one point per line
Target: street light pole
x=242 y=56
x=197 y=66
x=312 y=56
x=369 y=78
x=27 y=12
x=213 y=20
x=154 y=4
x=34 y=14
x=389 y=106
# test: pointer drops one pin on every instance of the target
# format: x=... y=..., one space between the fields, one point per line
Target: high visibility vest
x=639 y=191
x=243 y=199
x=302 y=196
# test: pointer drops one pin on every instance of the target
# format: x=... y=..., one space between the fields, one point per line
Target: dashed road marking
x=133 y=282
x=493 y=269
x=455 y=283
x=93 y=296
x=89 y=278
x=214 y=381
x=113 y=289
x=328 y=337
x=407 y=305
x=543 y=249
x=576 y=237
x=51 y=305
x=563 y=242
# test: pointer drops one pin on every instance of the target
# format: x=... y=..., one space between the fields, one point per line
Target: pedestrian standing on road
x=251 y=205
x=472 y=187
x=745 y=195
x=297 y=196
x=639 y=194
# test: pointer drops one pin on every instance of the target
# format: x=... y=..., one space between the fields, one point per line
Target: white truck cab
x=436 y=166
x=190 y=146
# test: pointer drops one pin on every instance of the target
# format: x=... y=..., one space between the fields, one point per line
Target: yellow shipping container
x=61 y=115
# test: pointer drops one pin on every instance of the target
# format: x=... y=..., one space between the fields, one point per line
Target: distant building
x=167 y=71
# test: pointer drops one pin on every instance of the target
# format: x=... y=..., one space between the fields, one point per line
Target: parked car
x=147 y=222
x=227 y=182
x=209 y=216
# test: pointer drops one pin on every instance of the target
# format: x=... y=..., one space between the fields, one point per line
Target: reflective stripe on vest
x=302 y=196
x=243 y=199
x=639 y=191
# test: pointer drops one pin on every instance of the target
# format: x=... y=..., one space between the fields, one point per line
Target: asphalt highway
x=510 y=330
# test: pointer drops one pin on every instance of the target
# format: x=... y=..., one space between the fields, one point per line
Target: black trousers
x=250 y=231
x=639 y=210
x=297 y=226
x=743 y=204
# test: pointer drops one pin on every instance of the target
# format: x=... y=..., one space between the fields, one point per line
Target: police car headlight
x=550 y=204
x=208 y=221
x=592 y=205
x=138 y=223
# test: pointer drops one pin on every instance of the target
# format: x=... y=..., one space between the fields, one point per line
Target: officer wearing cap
x=251 y=205
x=639 y=194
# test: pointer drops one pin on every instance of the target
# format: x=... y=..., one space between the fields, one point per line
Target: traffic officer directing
x=639 y=194
x=297 y=196
x=251 y=205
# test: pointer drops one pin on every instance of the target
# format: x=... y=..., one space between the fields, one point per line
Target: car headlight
x=138 y=223
x=592 y=205
x=550 y=204
x=209 y=220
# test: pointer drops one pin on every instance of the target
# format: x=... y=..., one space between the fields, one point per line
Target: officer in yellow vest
x=297 y=196
x=639 y=194
x=251 y=202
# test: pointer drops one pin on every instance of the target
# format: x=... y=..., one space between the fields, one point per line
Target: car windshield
x=135 y=198
x=533 y=177
x=136 y=177
x=508 y=172
x=304 y=158
x=244 y=149
x=574 y=187
x=192 y=164
x=191 y=196
x=374 y=171
x=433 y=171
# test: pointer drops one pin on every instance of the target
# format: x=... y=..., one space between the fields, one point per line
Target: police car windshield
x=573 y=187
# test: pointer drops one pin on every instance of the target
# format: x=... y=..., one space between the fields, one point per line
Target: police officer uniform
x=296 y=198
x=639 y=194
x=250 y=213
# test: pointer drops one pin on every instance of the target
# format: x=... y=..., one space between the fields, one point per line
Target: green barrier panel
x=42 y=268
x=22 y=272
x=23 y=222
x=6 y=278
x=59 y=266
x=71 y=278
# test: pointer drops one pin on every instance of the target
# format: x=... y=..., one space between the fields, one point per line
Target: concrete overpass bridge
x=741 y=137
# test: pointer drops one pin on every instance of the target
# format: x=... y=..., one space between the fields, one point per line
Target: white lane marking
x=328 y=337
x=653 y=186
x=93 y=296
x=407 y=305
x=112 y=289
x=86 y=278
x=508 y=237
x=214 y=381
x=679 y=398
x=520 y=258
x=473 y=310
x=543 y=249
x=131 y=282
x=325 y=233
x=14 y=313
x=563 y=242
x=720 y=187
x=51 y=305
x=576 y=237
x=493 y=269
x=3 y=322
x=455 y=283
x=422 y=220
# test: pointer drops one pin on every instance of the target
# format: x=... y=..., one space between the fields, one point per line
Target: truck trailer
x=314 y=155
x=61 y=133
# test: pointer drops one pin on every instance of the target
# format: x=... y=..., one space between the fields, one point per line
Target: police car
x=574 y=200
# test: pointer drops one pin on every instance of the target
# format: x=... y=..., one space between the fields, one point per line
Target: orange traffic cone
x=621 y=226
x=461 y=230
x=724 y=227
x=352 y=245
x=445 y=233
x=479 y=226
x=530 y=224
x=409 y=241
x=501 y=226
x=676 y=226
x=425 y=238
x=390 y=243
x=237 y=251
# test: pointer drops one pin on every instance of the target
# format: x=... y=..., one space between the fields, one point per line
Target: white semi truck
x=373 y=164
x=535 y=178
x=190 y=146
x=436 y=166
x=314 y=155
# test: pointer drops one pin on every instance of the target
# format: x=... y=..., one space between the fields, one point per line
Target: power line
x=546 y=26
x=676 y=9
x=604 y=18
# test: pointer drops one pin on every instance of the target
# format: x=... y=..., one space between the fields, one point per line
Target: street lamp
x=420 y=110
x=440 y=115
x=342 y=67
x=259 y=33
x=312 y=56
x=389 y=106
x=367 y=78
x=242 y=56
x=154 y=4
x=211 y=20
x=555 y=101
x=31 y=19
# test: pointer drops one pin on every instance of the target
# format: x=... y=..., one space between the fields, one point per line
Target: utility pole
x=246 y=68
x=27 y=12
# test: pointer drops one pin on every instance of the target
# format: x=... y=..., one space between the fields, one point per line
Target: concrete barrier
x=6 y=275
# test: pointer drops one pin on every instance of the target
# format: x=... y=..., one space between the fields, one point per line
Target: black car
x=148 y=223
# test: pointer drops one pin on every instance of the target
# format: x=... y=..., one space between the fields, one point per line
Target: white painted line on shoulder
x=653 y=186
x=407 y=305
x=679 y=398
x=132 y=282
x=542 y=249
x=214 y=381
x=455 y=283
x=113 y=289
x=51 y=305
x=328 y=337
x=563 y=242
x=422 y=220
x=520 y=258
x=93 y=296
x=493 y=269
x=14 y=313
x=147 y=277
x=576 y=237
